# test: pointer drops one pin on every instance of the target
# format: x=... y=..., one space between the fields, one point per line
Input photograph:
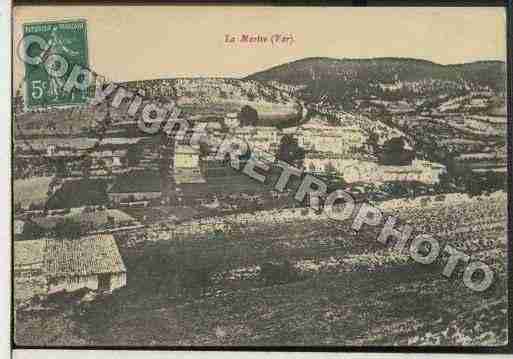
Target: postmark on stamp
x=65 y=45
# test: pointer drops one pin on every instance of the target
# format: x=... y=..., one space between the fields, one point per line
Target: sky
x=146 y=42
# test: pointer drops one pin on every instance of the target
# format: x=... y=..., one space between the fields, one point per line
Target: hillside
x=196 y=97
x=342 y=287
x=218 y=96
x=346 y=78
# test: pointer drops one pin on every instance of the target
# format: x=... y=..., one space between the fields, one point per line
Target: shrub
x=278 y=273
x=248 y=116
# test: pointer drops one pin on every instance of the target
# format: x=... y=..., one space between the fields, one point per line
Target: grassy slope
x=395 y=305
x=348 y=309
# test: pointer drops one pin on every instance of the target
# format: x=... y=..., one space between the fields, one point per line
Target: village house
x=47 y=266
x=29 y=279
x=188 y=177
x=91 y=262
x=19 y=226
x=186 y=157
x=147 y=185
x=354 y=170
x=31 y=192
x=109 y=158
x=91 y=220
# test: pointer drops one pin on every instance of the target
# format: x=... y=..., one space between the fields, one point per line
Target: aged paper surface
x=259 y=176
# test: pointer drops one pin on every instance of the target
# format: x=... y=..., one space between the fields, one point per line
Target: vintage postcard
x=236 y=176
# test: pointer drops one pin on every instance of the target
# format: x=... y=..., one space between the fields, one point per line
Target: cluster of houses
x=372 y=172
x=136 y=172
x=47 y=263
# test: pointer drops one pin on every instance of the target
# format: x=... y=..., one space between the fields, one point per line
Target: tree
x=167 y=168
x=133 y=155
x=454 y=179
x=395 y=144
x=477 y=184
x=32 y=231
x=290 y=151
x=86 y=165
x=279 y=273
x=102 y=164
x=372 y=140
x=204 y=149
x=61 y=168
x=335 y=183
x=394 y=153
x=248 y=116
x=495 y=181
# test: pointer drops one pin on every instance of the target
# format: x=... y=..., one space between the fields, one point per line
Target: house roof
x=18 y=226
x=97 y=218
x=86 y=256
x=187 y=176
x=28 y=252
x=186 y=150
x=101 y=217
x=31 y=191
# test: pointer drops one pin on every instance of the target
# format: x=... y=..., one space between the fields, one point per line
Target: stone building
x=47 y=266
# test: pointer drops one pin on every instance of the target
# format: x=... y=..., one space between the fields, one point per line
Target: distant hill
x=196 y=97
x=347 y=78
x=276 y=93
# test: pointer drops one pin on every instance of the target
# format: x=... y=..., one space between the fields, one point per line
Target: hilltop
x=346 y=78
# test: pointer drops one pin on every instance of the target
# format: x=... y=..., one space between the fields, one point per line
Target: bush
x=32 y=231
x=69 y=229
x=197 y=278
x=278 y=273
x=248 y=116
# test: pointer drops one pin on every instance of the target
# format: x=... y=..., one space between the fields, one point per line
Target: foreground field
x=390 y=308
x=307 y=282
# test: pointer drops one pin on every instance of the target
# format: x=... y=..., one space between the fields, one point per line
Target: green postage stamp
x=62 y=46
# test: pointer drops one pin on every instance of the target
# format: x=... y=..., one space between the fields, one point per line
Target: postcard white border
x=120 y=354
x=5 y=259
x=5 y=180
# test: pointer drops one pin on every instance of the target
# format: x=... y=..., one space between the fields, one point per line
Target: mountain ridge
x=385 y=58
x=346 y=78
